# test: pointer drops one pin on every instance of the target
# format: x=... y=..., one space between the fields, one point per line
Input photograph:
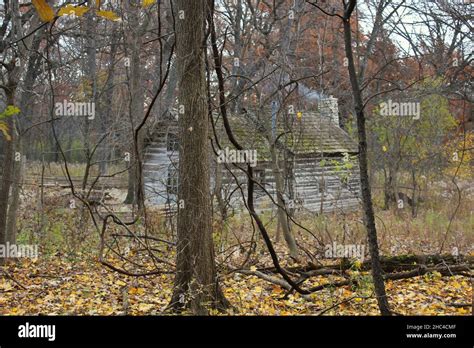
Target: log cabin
x=305 y=156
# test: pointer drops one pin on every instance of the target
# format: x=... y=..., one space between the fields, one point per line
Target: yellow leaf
x=384 y=148
x=147 y=3
x=357 y=264
x=4 y=130
x=138 y=291
x=346 y=293
x=6 y=287
x=144 y=307
x=456 y=285
x=73 y=10
x=45 y=12
x=120 y=283
x=108 y=15
x=276 y=289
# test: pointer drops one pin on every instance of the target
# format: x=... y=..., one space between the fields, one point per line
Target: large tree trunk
x=9 y=148
x=369 y=218
x=196 y=286
x=19 y=123
x=7 y=173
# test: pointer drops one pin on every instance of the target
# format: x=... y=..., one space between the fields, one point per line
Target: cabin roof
x=311 y=134
x=316 y=133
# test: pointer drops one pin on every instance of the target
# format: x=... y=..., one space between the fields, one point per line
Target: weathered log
x=443 y=268
x=389 y=263
x=422 y=270
x=407 y=262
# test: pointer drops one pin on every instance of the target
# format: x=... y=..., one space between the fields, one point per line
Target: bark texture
x=196 y=285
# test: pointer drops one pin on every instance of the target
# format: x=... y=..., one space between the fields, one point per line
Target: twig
x=9 y=276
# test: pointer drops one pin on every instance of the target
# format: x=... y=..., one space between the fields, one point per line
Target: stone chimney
x=328 y=107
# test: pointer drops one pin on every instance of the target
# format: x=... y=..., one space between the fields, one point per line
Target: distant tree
x=408 y=144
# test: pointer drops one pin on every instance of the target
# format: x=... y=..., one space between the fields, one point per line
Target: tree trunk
x=135 y=194
x=196 y=285
x=15 y=194
x=369 y=218
x=387 y=190
x=414 y=197
x=219 y=193
x=7 y=174
x=91 y=72
x=19 y=123
x=282 y=214
x=105 y=109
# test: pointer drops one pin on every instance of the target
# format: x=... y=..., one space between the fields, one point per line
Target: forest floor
x=59 y=287
x=68 y=279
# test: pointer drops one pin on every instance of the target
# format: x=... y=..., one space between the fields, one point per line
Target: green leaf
x=10 y=111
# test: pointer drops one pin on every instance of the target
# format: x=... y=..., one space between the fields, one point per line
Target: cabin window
x=172 y=181
x=172 y=143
